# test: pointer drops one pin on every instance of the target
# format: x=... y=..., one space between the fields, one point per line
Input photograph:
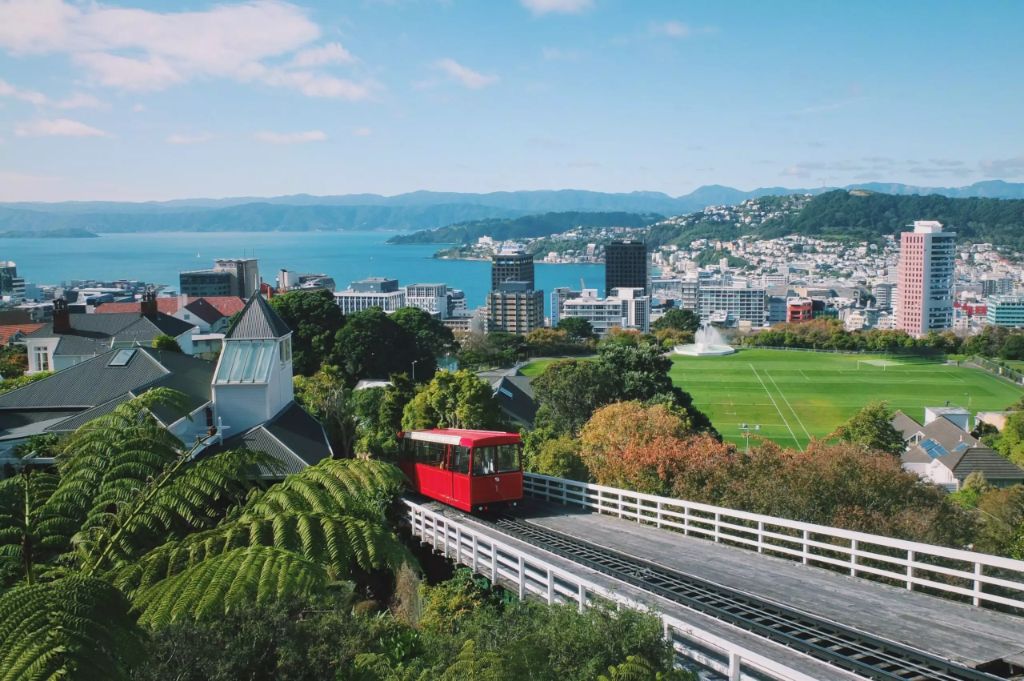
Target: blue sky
x=134 y=100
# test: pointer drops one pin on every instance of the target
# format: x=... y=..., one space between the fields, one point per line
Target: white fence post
x=760 y=536
x=494 y=564
x=910 y=570
x=977 y=583
x=582 y=596
x=718 y=531
x=806 y=547
x=551 y=588
x=658 y=509
x=474 y=555
x=522 y=577
x=853 y=557
x=458 y=543
x=734 y=666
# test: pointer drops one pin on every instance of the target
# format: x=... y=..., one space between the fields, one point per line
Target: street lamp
x=746 y=429
x=414 y=370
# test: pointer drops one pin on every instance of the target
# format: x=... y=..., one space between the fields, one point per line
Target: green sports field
x=794 y=396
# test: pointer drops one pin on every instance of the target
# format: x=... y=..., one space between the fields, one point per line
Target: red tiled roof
x=226 y=305
x=8 y=330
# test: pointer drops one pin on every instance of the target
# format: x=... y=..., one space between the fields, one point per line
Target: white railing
x=532 y=576
x=979 y=578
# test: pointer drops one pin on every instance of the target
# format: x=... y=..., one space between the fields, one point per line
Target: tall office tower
x=511 y=266
x=8 y=273
x=625 y=265
x=229 y=277
x=925 y=279
x=515 y=307
x=245 y=273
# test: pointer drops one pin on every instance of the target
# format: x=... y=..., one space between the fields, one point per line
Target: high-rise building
x=558 y=298
x=8 y=273
x=732 y=304
x=625 y=265
x=925 y=279
x=511 y=266
x=229 y=277
x=515 y=307
x=885 y=295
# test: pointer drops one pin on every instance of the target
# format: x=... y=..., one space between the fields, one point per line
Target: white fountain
x=707 y=342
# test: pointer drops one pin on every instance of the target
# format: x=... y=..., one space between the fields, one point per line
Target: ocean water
x=346 y=256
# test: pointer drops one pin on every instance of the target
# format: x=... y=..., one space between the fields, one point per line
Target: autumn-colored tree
x=616 y=426
x=685 y=467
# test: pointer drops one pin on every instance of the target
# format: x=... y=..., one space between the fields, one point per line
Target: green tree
x=326 y=395
x=167 y=343
x=129 y=518
x=453 y=400
x=638 y=669
x=373 y=345
x=568 y=392
x=431 y=338
x=487 y=350
x=1013 y=347
x=577 y=328
x=872 y=428
x=560 y=458
x=680 y=320
x=315 y=320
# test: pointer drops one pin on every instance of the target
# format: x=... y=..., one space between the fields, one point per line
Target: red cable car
x=472 y=470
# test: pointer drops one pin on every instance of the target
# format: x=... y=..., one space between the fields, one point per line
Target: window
x=495 y=459
x=246 y=361
x=121 y=357
x=42 y=357
x=286 y=349
x=460 y=460
x=428 y=453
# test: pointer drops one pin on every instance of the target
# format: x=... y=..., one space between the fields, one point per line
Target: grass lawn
x=794 y=396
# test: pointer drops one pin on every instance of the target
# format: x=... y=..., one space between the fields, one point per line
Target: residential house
x=244 y=400
x=72 y=338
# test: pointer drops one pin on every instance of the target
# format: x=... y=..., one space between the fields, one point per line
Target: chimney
x=149 y=303
x=61 y=316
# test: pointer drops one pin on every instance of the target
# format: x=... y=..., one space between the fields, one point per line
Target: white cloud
x=362 y=132
x=678 y=29
x=331 y=53
x=1003 y=167
x=291 y=137
x=469 y=78
x=138 y=107
x=57 y=127
x=184 y=138
x=142 y=50
x=313 y=84
x=80 y=100
x=30 y=96
x=557 y=6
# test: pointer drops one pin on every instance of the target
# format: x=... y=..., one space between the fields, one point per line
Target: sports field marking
x=776 y=404
x=804 y=375
x=786 y=400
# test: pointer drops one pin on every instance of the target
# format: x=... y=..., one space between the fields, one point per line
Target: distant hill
x=404 y=212
x=528 y=226
x=867 y=215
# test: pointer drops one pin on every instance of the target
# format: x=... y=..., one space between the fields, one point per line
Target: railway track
x=846 y=648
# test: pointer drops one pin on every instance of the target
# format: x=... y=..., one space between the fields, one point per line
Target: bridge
x=749 y=596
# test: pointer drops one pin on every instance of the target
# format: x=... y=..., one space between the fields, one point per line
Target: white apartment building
x=355 y=301
x=432 y=298
x=626 y=308
x=732 y=303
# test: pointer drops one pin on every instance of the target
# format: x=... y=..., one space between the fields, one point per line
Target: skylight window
x=246 y=361
x=121 y=357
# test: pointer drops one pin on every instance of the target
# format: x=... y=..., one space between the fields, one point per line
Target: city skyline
x=143 y=101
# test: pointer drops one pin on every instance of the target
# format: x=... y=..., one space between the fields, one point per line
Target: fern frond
x=71 y=628
x=240 y=577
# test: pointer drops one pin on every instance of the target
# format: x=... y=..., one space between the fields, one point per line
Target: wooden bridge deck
x=955 y=631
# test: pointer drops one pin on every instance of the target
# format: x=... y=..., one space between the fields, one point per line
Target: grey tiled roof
x=989 y=462
x=92 y=334
x=93 y=388
x=258 y=321
x=905 y=425
x=515 y=397
x=293 y=437
x=202 y=308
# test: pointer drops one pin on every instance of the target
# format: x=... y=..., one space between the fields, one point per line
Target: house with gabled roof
x=944 y=454
x=242 y=401
x=70 y=338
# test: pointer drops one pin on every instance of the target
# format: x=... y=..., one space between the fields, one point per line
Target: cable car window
x=460 y=460
x=429 y=453
x=495 y=459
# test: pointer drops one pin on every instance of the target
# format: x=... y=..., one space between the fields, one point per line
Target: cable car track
x=844 y=647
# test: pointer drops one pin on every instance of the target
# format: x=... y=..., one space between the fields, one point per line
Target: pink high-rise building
x=925 y=279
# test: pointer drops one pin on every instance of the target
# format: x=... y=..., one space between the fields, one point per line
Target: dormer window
x=246 y=361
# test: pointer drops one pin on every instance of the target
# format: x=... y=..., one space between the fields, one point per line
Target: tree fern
x=636 y=668
x=71 y=628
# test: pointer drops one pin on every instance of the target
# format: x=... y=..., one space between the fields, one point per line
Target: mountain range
x=405 y=212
